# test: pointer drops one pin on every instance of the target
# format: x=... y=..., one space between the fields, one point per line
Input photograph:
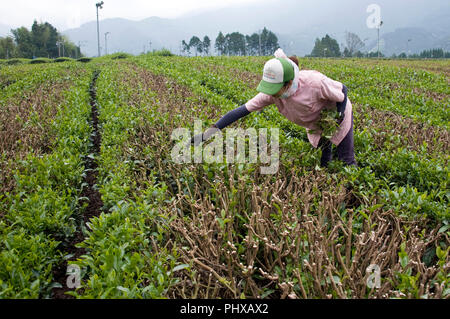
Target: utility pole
x=98 y=5
x=407 y=47
x=80 y=43
x=149 y=46
x=260 y=31
x=378 y=30
x=106 y=43
x=58 y=44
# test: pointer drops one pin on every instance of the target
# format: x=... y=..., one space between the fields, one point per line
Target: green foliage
x=328 y=122
x=235 y=43
x=120 y=55
x=162 y=52
x=326 y=47
x=42 y=208
x=16 y=61
x=123 y=259
x=63 y=59
x=84 y=59
x=393 y=168
x=40 y=41
x=130 y=250
x=434 y=54
x=7 y=48
x=26 y=262
x=40 y=60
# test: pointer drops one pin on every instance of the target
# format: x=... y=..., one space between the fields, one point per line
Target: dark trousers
x=345 y=150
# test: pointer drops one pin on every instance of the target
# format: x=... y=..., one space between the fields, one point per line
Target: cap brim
x=269 y=88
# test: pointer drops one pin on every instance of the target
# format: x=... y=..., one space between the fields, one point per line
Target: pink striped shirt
x=315 y=93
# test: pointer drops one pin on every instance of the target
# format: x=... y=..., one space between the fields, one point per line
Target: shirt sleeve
x=259 y=102
x=331 y=90
x=232 y=116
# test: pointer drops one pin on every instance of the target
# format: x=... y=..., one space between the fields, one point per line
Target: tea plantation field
x=92 y=205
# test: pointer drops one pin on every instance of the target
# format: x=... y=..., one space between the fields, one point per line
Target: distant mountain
x=297 y=24
x=126 y=35
x=411 y=40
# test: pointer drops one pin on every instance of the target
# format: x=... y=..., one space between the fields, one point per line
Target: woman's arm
x=331 y=90
x=257 y=103
x=227 y=119
x=232 y=116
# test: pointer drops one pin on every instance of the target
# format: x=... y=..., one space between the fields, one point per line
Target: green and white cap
x=276 y=72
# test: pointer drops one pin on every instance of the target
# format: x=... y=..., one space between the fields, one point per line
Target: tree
x=196 y=43
x=185 y=47
x=326 y=47
x=271 y=43
x=264 y=35
x=220 y=44
x=252 y=44
x=70 y=49
x=353 y=44
x=433 y=54
x=22 y=37
x=359 y=54
x=206 y=44
x=41 y=42
x=332 y=47
x=317 y=51
x=235 y=44
x=374 y=54
x=346 y=53
x=7 y=48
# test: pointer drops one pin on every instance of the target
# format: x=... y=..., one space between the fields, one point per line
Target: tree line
x=329 y=47
x=43 y=40
x=425 y=54
x=235 y=43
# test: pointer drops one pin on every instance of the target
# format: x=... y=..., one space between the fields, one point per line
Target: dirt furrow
x=91 y=198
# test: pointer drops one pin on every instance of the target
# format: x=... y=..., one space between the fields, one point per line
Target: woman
x=300 y=96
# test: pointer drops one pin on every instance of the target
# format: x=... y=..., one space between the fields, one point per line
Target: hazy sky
x=65 y=14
